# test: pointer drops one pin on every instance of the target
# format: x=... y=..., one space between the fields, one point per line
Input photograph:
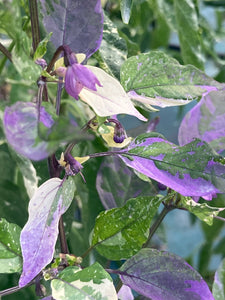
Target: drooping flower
x=77 y=76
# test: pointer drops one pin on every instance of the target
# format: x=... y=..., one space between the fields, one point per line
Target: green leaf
x=90 y=283
x=126 y=7
x=113 y=50
x=218 y=288
x=42 y=47
x=10 y=252
x=188 y=31
x=166 y=10
x=154 y=76
x=28 y=172
x=203 y=211
x=11 y=23
x=120 y=232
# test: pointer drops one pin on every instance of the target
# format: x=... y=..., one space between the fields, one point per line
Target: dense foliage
x=83 y=198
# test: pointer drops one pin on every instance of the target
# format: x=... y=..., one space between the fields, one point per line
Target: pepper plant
x=82 y=198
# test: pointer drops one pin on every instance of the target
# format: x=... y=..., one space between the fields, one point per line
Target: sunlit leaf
x=156 y=75
x=162 y=276
x=206 y=121
x=40 y=233
x=189 y=170
x=10 y=252
x=120 y=232
x=84 y=284
x=78 y=24
x=110 y=99
x=219 y=282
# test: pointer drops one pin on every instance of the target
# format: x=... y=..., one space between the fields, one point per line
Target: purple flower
x=78 y=77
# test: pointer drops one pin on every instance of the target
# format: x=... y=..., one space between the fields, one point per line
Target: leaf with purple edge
x=206 y=121
x=40 y=233
x=218 y=288
x=156 y=79
x=119 y=233
x=191 y=170
x=73 y=21
x=162 y=276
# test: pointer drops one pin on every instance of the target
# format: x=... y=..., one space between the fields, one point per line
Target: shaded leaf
x=116 y=183
x=125 y=7
x=156 y=75
x=190 y=170
x=206 y=121
x=120 y=232
x=113 y=50
x=166 y=10
x=39 y=235
x=78 y=24
x=21 y=129
x=83 y=284
x=203 y=211
x=28 y=172
x=188 y=31
x=10 y=252
x=110 y=99
x=218 y=288
x=163 y=276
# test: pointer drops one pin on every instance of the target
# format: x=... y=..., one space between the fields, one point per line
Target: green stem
x=34 y=23
x=155 y=225
x=88 y=250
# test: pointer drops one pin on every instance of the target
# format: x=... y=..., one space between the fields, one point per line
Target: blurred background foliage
x=193 y=32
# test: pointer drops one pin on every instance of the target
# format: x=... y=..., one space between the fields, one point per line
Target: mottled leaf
x=39 y=235
x=10 y=252
x=113 y=50
x=83 y=284
x=218 y=288
x=78 y=24
x=189 y=32
x=206 y=121
x=116 y=183
x=42 y=47
x=110 y=99
x=156 y=75
x=189 y=170
x=203 y=211
x=120 y=232
x=162 y=276
x=21 y=129
x=125 y=7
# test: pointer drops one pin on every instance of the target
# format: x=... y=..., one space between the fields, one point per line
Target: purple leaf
x=40 y=233
x=163 y=276
x=116 y=183
x=21 y=129
x=189 y=170
x=206 y=121
x=78 y=24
